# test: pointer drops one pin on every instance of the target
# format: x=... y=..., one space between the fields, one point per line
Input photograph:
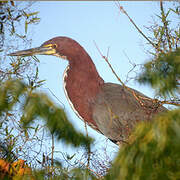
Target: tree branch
x=123 y=11
x=165 y=24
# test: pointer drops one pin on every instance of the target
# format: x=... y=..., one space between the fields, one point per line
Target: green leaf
x=35 y=58
x=39 y=105
x=17 y=17
x=37 y=128
x=34 y=20
x=41 y=81
x=70 y=157
x=32 y=14
x=163 y=73
x=26 y=27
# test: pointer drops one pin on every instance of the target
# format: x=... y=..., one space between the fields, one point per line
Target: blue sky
x=87 y=22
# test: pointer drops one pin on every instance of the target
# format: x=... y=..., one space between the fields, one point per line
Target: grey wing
x=116 y=111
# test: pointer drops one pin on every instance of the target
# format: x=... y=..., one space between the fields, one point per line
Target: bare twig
x=131 y=90
x=138 y=98
x=56 y=97
x=123 y=11
x=133 y=67
x=52 y=155
x=106 y=59
x=52 y=149
x=99 y=176
x=170 y=102
x=89 y=151
x=108 y=52
x=165 y=24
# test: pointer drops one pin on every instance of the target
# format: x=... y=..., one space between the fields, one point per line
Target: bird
x=111 y=109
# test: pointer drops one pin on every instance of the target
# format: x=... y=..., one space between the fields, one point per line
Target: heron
x=111 y=109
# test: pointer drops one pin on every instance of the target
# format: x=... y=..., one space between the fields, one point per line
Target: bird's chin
x=60 y=56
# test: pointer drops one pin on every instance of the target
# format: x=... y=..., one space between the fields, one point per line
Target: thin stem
x=123 y=11
x=165 y=24
x=89 y=151
x=52 y=155
x=170 y=102
x=99 y=176
x=105 y=58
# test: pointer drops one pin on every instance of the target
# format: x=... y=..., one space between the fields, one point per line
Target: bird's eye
x=54 y=46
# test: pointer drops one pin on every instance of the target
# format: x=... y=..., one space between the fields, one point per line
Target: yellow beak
x=42 y=50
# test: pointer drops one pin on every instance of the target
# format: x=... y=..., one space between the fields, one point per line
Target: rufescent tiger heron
x=109 y=108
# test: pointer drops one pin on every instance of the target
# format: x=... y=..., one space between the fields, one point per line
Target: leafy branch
x=39 y=105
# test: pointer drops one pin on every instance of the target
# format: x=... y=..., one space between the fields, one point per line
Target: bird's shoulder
x=116 y=95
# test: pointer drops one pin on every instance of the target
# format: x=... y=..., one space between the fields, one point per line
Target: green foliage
x=10 y=93
x=81 y=174
x=11 y=15
x=39 y=105
x=166 y=31
x=163 y=73
x=153 y=152
x=20 y=105
x=6 y=152
x=63 y=174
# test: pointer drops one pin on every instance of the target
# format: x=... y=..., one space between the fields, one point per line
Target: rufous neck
x=82 y=83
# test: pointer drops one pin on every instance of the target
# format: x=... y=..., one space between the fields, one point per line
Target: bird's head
x=62 y=47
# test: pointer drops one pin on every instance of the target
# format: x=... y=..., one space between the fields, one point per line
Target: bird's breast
x=79 y=96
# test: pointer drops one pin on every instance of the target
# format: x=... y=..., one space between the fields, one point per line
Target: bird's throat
x=82 y=83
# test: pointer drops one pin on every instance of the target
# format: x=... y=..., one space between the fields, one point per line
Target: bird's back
x=117 y=109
